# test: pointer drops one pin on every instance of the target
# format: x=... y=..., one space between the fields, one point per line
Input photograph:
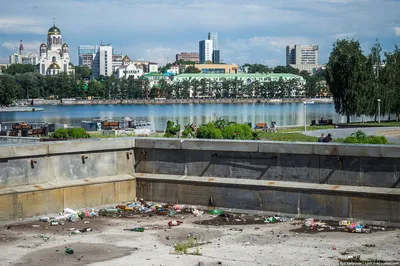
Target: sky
x=252 y=31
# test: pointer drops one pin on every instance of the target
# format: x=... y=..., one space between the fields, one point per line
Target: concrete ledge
x=285 y=148
x=23 y=150
x=64 y=184
x=277 y=185
x=220 y=145
x=90 y=145
x=158 y=143
x=300 y=199
x=30 y=201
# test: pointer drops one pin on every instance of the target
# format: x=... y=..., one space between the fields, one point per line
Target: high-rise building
x=102 y=62
x=214 y=37
x=215 y=55
x=116 y=61
x=205 y=51
x=25 y=59
x=86 y=54
x=15 y=59
x=193 y=57
x=302 y=57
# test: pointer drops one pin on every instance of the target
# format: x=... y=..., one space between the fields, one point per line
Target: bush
x=188 y=132
x=209 y=131
x=171 y=130
x=237 y=131
x=360 y=137
x=70 y=133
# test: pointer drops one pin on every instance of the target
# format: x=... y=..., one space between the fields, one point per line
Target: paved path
x=391 y=133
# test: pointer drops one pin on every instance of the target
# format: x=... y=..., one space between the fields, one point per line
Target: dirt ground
x=222 y=240
x=391 y=133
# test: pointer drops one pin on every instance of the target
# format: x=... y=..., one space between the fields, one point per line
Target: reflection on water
x=283 y=113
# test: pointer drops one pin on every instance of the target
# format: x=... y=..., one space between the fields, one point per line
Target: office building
x=192 y=57
x=86 y=54
x=205 y=51
x=217 y=68
x=15 y=59
x=117 y=60
x=54 y=56
x=26 y=59
x=102 y=62
x=303 y=57
x=30 y=59
x=213 y=36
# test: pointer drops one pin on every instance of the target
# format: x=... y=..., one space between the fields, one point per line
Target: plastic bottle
x=137 y=229
x=111 y=210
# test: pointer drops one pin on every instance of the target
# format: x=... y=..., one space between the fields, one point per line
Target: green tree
x=8 y=90
x=19 y=69
x=192 y=69
x=286 y=69
x=256 y=68
x=82 y=72
x=346 y=75
x=96 y=89
x=391 y=73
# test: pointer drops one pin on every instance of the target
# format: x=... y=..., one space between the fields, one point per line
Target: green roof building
x=246 y=78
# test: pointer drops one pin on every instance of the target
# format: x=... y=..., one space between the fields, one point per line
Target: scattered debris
x=136 y=229
x=174 y=223
x=69 y=251
x=312 y=226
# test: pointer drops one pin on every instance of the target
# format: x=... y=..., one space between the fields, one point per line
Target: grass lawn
x=280 y=136
x=309 y=128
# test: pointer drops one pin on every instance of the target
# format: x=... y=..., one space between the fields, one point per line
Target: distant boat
x=310 y=102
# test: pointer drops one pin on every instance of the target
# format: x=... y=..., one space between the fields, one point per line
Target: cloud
x=260 y=49
x=343 y=35
x=160 y=54
x=16 y=25
x=397 y=31
x=249 y=31
x=29 y=47
x=3 y=60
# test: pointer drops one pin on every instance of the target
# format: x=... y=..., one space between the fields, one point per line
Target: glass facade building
x=86 y=54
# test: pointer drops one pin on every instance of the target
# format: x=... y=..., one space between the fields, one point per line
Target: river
x=284 y=114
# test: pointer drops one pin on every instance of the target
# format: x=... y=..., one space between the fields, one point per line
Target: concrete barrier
x=332 y=180
x=339 y=164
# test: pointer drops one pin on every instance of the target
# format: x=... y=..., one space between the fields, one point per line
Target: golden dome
x=54 y=66
x=54 y=31
x=126 y=59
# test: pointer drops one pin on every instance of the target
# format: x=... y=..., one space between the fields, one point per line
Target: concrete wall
x=31 y=164
x=355 y=165
x=314 y=179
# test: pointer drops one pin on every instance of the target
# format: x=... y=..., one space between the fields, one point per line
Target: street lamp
x=379 y=110
x=305 y=116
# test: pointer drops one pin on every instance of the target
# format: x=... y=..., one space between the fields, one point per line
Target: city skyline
x=259 y=33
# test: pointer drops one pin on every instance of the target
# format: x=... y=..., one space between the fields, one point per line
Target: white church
x=54 y=57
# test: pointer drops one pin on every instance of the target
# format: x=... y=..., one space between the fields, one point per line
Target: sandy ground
x=225 y=244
